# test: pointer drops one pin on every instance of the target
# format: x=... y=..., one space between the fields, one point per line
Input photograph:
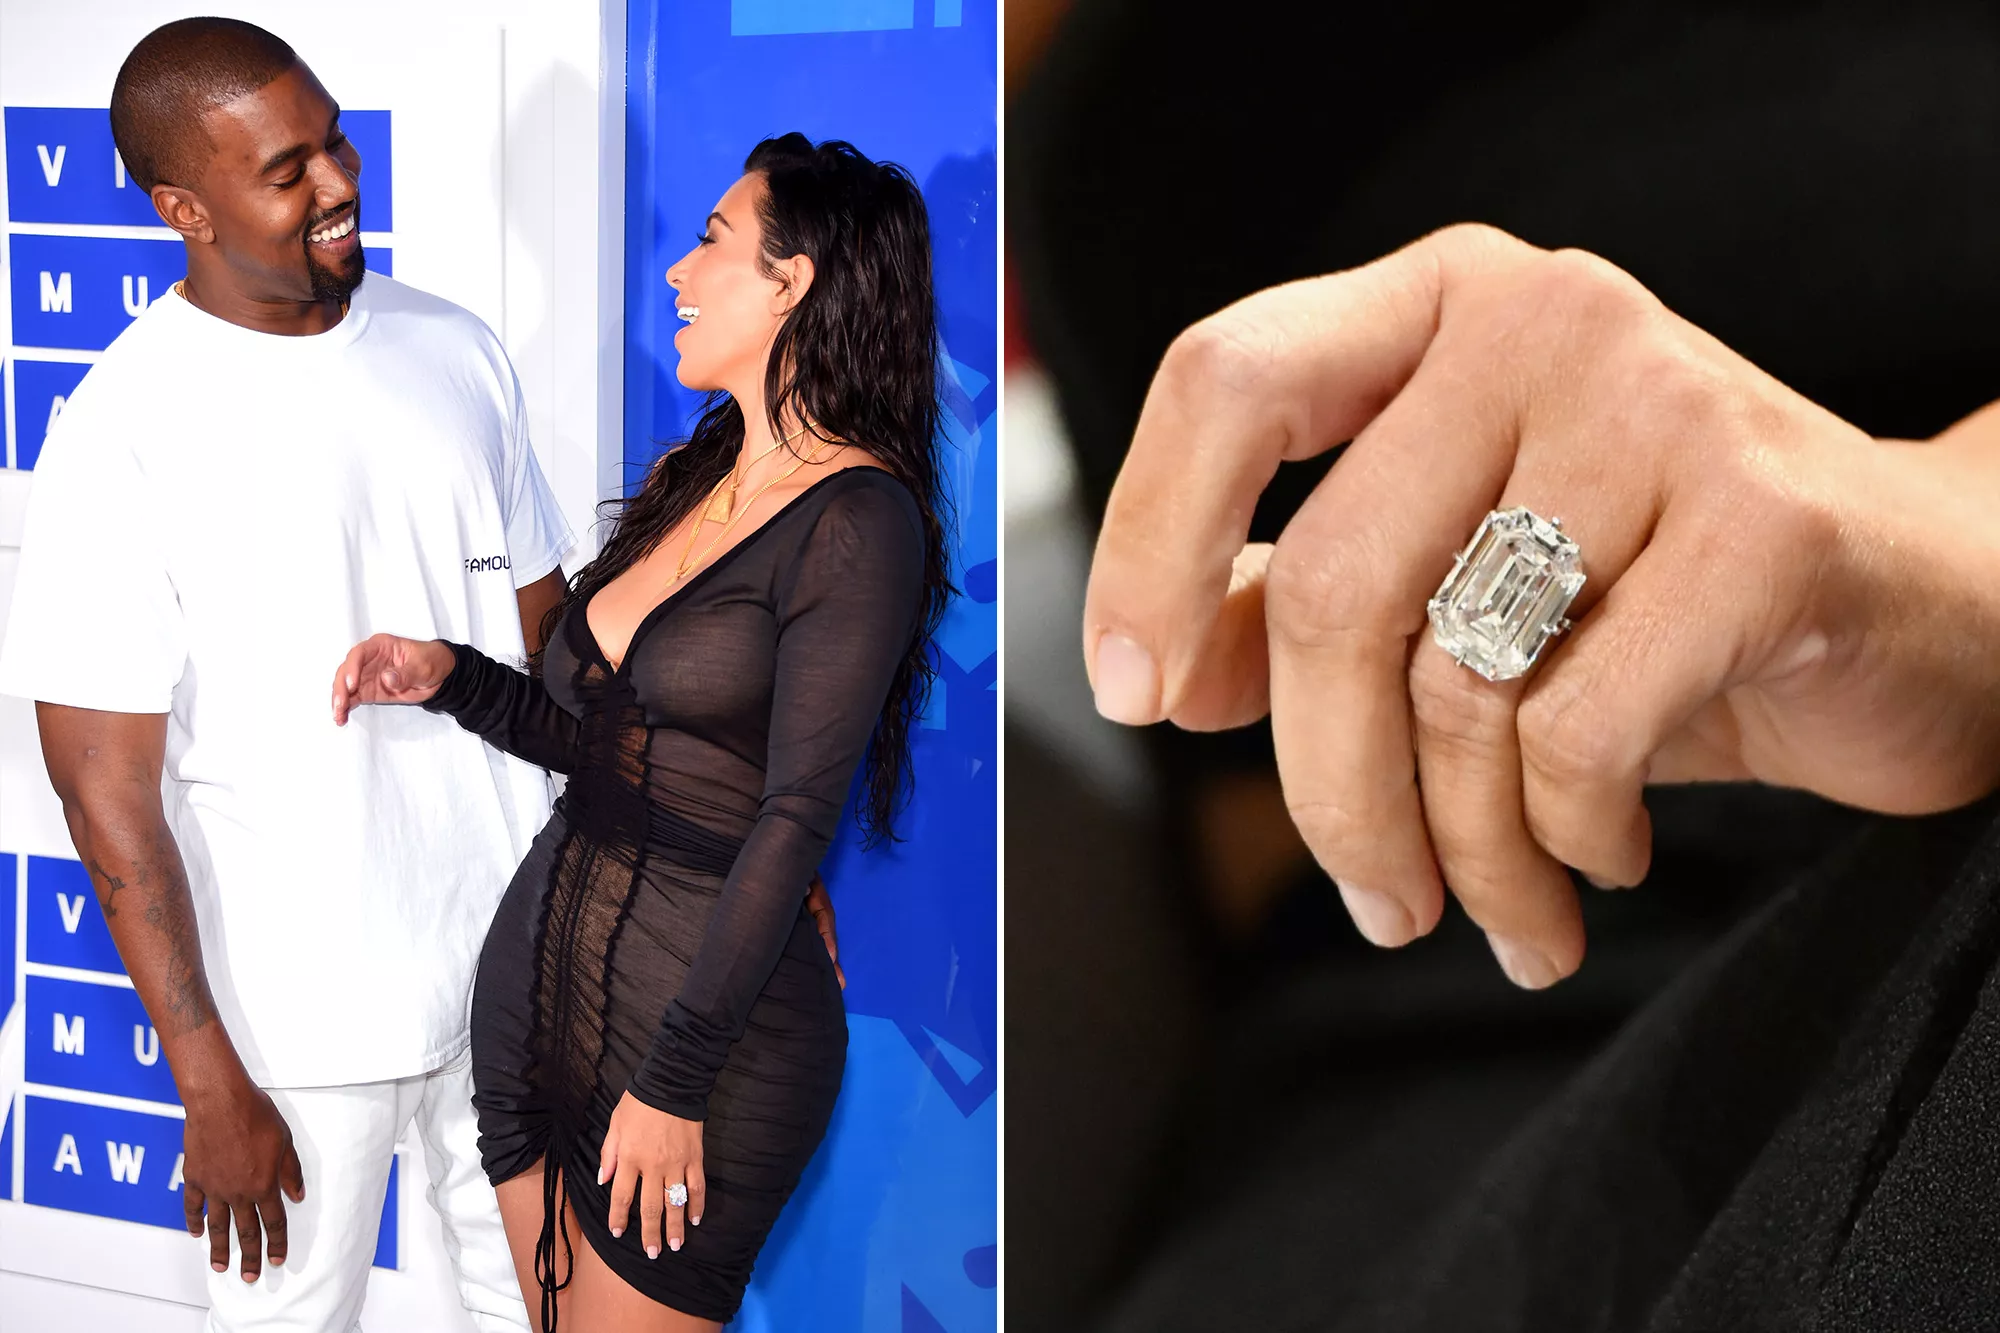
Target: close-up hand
x=387 y=669
x=646 y=1153
x=239 y=1157
x=1770 y=593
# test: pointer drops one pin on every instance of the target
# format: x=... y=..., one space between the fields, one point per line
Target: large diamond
x=1506 y=593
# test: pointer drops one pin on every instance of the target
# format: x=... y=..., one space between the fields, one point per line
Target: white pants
x=345 y=1138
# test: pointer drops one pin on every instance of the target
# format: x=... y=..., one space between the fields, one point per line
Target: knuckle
x=1567 y=737
x=1232 y=351
x=1453 y=716
x=1314 y=593
x=1581 y=297
x=1337 y=832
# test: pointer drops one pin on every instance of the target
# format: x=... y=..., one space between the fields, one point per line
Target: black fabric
x=656 y=938
x=1816 y=184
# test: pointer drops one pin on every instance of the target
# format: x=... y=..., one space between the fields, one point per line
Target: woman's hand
x=386 y=669
x=1771 y=594
x=646 y=1153
x=820 y=904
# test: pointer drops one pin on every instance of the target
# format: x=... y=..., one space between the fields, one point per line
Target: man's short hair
x=172 y=78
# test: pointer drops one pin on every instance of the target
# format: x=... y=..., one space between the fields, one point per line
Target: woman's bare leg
x=521 y=1215
x=596 y=1298
x=599 y=1299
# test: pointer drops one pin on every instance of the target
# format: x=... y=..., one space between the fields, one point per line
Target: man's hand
x=821 y=907
x=239 y=1156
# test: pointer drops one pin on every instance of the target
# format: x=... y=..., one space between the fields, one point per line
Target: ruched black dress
x=656 y=937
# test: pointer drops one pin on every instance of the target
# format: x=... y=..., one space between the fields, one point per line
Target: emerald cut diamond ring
x=1506 y=594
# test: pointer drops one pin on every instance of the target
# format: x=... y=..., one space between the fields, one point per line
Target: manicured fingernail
x=616 y=1232
x=603 y=1174
x=1601 y=882
x=674 y=1245
x=249 y=1277
x=652 y=1251
x=1380 y=918
x=220 y=1268
x=1525 y=966
x=1128 y=683
x=694 y=1221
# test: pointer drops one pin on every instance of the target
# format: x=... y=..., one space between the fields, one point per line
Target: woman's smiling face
x=732 y=307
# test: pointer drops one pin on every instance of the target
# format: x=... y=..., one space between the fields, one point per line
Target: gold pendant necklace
x=689 y=560
x=722 y=503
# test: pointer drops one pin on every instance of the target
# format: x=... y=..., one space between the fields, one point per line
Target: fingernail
x=694 y=1221
x=1380 y=918
x=1525 y=966
x=1601 y=882
x=652 y=1251
x=616 y=1232
x=220 y=1268
x=674 y=1245
x=1128 y=684
x=602 y=1175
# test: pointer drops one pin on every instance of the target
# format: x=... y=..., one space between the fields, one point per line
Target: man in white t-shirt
x=271 y=464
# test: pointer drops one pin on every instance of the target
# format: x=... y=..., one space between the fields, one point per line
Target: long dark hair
x=857 y=361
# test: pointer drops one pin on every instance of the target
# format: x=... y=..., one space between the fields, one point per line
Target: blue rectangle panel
x=65 y=926
x=40 y=390
x=63 y=167
x=93 y=1037
x=768 y=18
x=110 y=1163
x=82 y=291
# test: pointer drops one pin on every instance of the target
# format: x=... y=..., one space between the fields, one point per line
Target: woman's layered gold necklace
x=720 y=504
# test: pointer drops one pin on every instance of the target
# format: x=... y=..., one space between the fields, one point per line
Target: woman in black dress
x=657 y=1030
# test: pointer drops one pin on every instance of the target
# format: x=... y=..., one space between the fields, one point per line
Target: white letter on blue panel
x=125 y=1161
x=55 y=295
x=176 y=1180
x=138 y=307
x=119 y=169
x=71 y=909
x=146 y=1044
x=52 y=167
x=55 y=410
x=66 y=1158
x=69 y=1038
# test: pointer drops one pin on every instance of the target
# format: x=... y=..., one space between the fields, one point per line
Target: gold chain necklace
x=721 y=504
x=689 y=559
x=180 y=290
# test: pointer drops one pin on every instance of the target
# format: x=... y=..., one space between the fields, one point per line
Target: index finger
x=1281 y=375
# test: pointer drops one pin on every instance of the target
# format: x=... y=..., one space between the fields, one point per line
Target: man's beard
x=336 y=284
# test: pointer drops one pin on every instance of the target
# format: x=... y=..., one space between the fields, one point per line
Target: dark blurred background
x=1204 y=1061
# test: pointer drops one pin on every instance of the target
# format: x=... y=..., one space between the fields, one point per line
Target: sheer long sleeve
x=511 y=710
x=845 y=616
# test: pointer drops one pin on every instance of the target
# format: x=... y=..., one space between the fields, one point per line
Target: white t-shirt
x=217 y=517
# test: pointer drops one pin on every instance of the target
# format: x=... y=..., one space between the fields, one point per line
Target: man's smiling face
x=281 y=191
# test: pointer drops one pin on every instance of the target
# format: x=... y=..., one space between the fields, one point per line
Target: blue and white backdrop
x=540 y=162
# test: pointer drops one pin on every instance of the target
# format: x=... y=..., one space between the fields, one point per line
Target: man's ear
x=797 y=275
x=182 y=210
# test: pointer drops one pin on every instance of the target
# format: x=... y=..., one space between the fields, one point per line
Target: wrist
x=206 y=1068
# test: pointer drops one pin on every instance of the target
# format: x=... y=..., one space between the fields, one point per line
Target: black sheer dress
x=656 y=940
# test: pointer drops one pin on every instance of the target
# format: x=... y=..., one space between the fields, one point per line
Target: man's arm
x=106 y=770
x=536 y=601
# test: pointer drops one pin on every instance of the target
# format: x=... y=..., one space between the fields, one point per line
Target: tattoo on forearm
x=171 y=912
x=108 y=885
